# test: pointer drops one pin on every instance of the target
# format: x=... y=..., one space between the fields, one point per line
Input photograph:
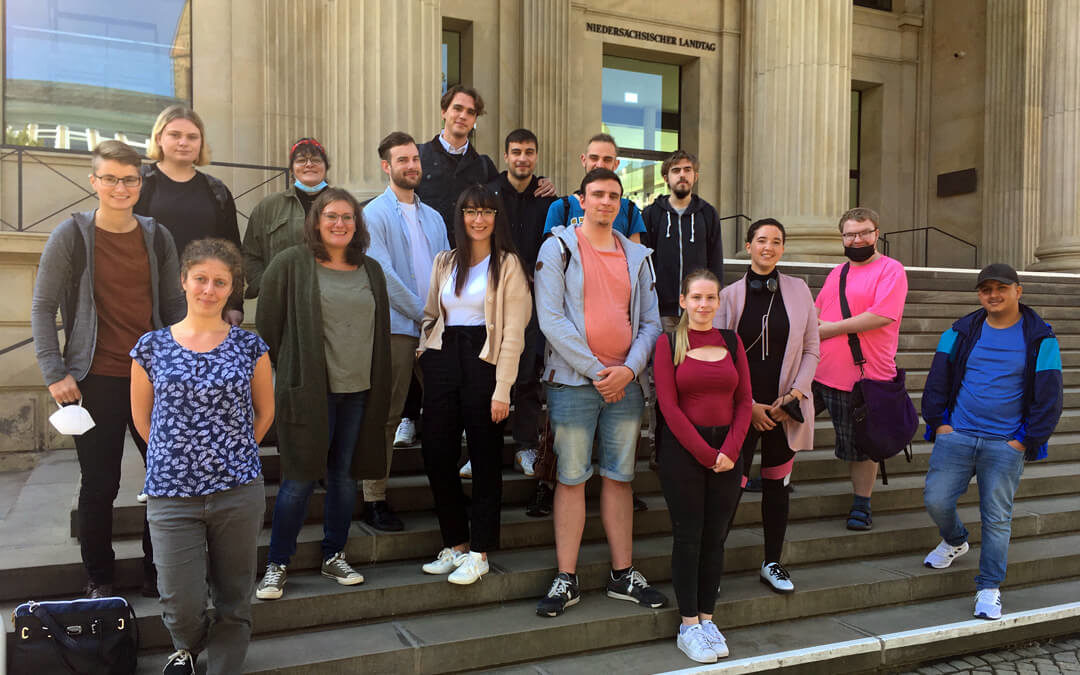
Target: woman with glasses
x=325 y=315
x=471 y=339
x=775 y=317
x=189 y=203
x=277 y=222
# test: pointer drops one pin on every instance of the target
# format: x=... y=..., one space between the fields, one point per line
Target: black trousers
x=776 y=458
x=701 y=504
x=457 y=395
x=108 y=400
x=526 y=394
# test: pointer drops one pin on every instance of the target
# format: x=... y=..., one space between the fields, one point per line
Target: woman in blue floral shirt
x=202 y=397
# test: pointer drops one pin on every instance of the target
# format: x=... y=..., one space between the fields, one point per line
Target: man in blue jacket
x=992 y=399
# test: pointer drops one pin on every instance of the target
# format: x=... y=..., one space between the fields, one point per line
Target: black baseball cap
x=998 y=272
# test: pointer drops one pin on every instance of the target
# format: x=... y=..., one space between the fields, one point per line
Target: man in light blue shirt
x=406 y=235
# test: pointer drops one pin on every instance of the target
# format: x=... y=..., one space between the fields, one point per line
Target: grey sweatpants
x=188 y=534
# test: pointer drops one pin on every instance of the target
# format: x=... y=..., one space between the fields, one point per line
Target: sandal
x=859 y=519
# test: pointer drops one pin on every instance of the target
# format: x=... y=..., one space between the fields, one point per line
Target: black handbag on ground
x=84 y=637
x=883 y=415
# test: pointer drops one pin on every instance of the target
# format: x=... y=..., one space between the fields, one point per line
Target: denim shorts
x=577 y=413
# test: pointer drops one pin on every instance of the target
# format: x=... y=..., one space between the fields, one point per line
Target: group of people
x=478 y=292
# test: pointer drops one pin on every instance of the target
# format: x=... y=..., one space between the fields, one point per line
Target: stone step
x=400 y=588
x=938 y=324
x=921 y=360
x=887 y=639
x=412 y=493
x=968 y=298
x=509 y=632
x=1051 y=313
x=57 y=569
x=916 y=379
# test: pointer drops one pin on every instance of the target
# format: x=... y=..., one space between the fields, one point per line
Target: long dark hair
x=354 y=252
x=480 y=197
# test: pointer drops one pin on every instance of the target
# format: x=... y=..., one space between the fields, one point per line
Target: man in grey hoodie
x=114 y=276
x=596 y=304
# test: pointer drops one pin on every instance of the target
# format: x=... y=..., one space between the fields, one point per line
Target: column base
x=1060 y=256
x=812 y=240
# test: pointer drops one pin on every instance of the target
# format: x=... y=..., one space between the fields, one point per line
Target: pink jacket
x=801 y=355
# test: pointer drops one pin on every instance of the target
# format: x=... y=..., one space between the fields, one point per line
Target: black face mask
x=859 y=253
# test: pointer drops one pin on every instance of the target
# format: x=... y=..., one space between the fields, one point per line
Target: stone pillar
x=800 y=118
x=1059 y=195
x=545 y=39
x=1010 y=180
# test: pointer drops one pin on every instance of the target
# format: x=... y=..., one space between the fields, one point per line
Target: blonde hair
x=170 y=114
x=682 y=330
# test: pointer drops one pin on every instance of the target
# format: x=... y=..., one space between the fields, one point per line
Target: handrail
x=735 y=217
x=23 y=343
x=926 y=242
x=8 y=149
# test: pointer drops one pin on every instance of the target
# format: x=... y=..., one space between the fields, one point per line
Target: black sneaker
x=632 y=586
x=562 y=594
x=180 y=663
x=95 y=591
x=149 y=585
x=542 y=501
x=380 y=516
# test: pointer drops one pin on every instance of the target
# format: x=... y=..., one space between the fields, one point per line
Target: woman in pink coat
x=774 y=316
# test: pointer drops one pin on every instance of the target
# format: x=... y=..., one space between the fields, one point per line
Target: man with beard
x=406 y=234
x=684 y=232
x=876 y=289
x=525 y=212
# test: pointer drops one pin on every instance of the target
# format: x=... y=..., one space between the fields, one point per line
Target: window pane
x=80 y=71
x=640 y=103
x=451 y=59
x=641 y=180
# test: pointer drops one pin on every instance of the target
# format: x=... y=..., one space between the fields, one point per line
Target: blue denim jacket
x=560 y=308
x=390 y=246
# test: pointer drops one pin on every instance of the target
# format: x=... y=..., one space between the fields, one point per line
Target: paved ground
x=1054 y=656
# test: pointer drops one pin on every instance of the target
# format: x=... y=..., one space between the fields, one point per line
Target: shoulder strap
x=566 y=214
x=731 y=341
x=565 y=254
x=845 y=311
x=671 y=345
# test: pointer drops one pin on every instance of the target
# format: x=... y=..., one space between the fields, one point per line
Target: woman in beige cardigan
x=470 y=342
x=775 y=318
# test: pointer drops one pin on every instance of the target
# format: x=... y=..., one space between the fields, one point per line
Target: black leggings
x=701 y=504
x=776 y=461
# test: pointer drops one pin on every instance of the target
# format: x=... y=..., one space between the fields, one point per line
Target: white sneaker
x=447 y=561
x=466 y=471
x=525 y=461
x=988 y=604
x=944 y=555
x=716 y=638
x=776 y=577
x=141 y=497
x=405 y=434
x=694 y=643
x=471 y=568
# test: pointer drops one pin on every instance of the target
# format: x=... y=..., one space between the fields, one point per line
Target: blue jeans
x=290 y=508
x=997 y=467
x=577 y=413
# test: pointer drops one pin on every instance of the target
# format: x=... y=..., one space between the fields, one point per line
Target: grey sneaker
x=272 y=585
x=336 y=568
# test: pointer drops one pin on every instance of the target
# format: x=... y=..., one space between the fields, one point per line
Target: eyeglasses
x=852 y=236
x=332 y=218
x=109 y=180
x=313 y=161
x=472 y=213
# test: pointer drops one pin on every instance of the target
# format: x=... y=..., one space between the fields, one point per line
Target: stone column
x=1010 y=180
x=545 y=39
x=800 y=118
x=1059 y=194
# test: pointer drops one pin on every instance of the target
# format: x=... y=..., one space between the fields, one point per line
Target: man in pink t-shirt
x=876 y=289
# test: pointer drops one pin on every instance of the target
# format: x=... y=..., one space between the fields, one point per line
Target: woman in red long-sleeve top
x=704 y=396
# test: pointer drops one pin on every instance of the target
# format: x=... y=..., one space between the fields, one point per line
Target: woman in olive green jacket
x=324 y=313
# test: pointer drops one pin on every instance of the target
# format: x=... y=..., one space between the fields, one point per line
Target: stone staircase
x=850 y=586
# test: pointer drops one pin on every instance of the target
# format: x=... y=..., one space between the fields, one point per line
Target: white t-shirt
x=466 y=309
x=421 y=250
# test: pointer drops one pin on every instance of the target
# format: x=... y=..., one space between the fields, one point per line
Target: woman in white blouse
x=470 y=341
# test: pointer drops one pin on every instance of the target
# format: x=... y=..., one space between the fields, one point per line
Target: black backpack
x=731 y=341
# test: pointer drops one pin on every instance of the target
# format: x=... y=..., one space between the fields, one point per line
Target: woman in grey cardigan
x=324 y=313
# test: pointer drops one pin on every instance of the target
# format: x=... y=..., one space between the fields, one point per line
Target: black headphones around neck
x=758 y=286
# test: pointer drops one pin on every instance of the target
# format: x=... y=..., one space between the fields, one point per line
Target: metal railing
x=913 y=248
x=37 y=156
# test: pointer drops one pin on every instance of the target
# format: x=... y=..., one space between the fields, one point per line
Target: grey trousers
x=212 y=536
x=402 y=366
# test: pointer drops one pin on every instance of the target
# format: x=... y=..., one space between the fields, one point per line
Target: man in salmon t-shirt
x=876 y=291
x=597 y=307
